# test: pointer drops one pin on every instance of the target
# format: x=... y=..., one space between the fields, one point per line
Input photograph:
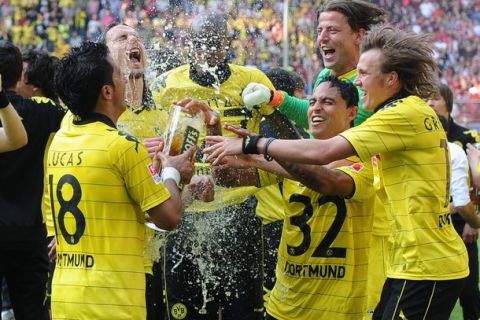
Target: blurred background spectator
x=257 y=30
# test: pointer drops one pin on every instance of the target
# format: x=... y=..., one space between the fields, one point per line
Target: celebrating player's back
x=100 y=183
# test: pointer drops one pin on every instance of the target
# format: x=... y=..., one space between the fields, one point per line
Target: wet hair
x=447 y=95
x=211 y=21
x=165 y=59
x=360 y=14
x=10 y=64
x=408 y=54
x=81 y=75
x=102 y=38
x=209 y=28
x=282 y=80
x=348 y=91
x=40 y=72
x=298 y=80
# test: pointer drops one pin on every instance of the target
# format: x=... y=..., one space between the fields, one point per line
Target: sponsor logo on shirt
x=357 y=167
x=153 y=172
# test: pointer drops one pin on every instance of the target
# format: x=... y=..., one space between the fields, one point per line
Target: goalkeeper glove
x=256 y=95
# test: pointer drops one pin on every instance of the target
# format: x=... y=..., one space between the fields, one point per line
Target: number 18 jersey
x=99 y=185
x=323 y=254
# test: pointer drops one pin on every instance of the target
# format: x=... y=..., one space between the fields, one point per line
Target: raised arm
x=13 y=134
x=257 y=94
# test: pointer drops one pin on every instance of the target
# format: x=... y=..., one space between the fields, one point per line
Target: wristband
x=171 y=173
x=276 y=99
x=249 y=144
x=265 y=150
x=4 y=102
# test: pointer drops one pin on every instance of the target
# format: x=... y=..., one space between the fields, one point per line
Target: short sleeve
x=141 y=180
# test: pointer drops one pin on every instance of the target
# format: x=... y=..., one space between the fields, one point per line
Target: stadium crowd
x=55 y=25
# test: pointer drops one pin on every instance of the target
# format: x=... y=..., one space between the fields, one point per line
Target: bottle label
x=191 y=137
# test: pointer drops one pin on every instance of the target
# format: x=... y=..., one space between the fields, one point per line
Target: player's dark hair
x=359 y=14
x=408 y=54
x=81 y=75
x=165 y=59
x=298 y=80
x=443 y=121
x=348 y=91
x=40 y=72
x=10 y=64
x=282 y=80
x=446 y=94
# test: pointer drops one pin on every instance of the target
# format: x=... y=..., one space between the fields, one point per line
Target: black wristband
x=249 y=144
x=266 y=155
x=4 y=102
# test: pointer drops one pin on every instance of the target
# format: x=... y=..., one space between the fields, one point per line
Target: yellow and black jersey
x=100 y=183
x=323 y=254
x=225 y=98
x=382 y=221
x=412 y=148
x=270 y=203
x=144 y=122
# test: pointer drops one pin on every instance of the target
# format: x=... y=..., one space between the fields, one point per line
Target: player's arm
x=13 y=134
x=459 y=189
x=468 y=214
x=311 y=151
x=257 y=94
x=175 y=170
x=322 y=179
x=236 y=171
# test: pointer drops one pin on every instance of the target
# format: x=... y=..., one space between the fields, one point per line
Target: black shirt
x=21 y=173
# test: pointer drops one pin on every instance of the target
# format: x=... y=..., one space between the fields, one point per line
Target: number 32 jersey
x=99 y=186
x=323 y=254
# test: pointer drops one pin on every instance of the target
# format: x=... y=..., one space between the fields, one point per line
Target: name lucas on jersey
x=65 y=159
x=76 y=260
x=314 y=271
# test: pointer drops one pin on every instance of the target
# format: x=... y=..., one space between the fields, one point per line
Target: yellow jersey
x=413 y=151
x=270 y=203
x=323 y=254
x=144 y=122
x=225 y=98
x=100 y=183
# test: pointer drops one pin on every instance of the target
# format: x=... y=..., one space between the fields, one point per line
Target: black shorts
x=154 y=293
x=272 y=233
x=213 y=261
x=24 y=265
x=415 y=299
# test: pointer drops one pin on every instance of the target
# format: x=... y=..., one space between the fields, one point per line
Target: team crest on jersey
x=357 y=167
x=156 y=177
x=178 y=311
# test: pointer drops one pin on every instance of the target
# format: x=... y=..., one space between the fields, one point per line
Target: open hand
x=194 y=106
x=220 y=147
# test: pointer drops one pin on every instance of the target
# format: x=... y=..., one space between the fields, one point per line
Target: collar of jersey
x=206 y=79
x=93 y=117
x=397 y=96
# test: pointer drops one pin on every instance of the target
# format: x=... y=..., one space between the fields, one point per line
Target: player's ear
x=360 y=34
x=107 y=92
x=352 y=113
x=392 y=78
